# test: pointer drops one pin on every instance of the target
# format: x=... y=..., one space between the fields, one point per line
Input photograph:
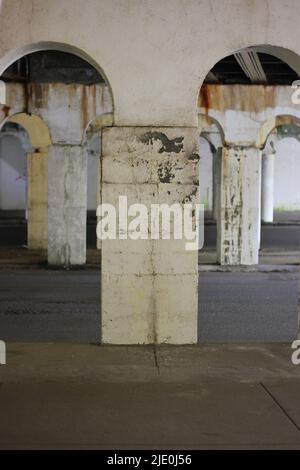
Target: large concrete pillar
x=267 y=187
x=37 y=200
x=149 y=287
x=239 y=216
x=67 y=205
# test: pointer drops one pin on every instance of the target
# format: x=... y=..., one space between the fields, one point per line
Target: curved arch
x=288 y=56
x=96 y=124
x=268 y=127
x=211 y=144
x=207 y=124
x=35 y=127
x=9 y=58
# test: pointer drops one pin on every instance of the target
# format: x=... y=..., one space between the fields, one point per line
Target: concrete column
x=298 y=331
x=37 y=200
x=149 y=287
x=267 y=187
x=238 y=225
x=217 y=160
x=67 y=205
x=99 y=195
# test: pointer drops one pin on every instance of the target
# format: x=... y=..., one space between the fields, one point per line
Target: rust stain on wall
x=37 y=94
x=94 y=98
x=249 y=98
x=84 y=108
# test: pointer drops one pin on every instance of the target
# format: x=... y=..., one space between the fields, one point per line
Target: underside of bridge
x=61 y=157
x=149 y=186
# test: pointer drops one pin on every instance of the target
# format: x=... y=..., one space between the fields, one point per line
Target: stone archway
x=37 y=177
x=67 y=108
x=242 y=111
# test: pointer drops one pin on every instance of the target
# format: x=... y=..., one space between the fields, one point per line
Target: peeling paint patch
x=165 y=173
x=167 y=145
x=194 y=157
x=190 y=197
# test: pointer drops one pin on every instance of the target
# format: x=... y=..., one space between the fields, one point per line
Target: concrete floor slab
x=241 y=362
x=34 y=362
x=286 y=394
x=80 y=404
x=141 y=416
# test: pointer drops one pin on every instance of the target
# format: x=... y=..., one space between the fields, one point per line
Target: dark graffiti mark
x=189 y=198
x=167 y=145
x=194 y=157
x=165 y=174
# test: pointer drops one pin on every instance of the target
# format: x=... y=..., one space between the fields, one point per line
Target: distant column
x=267 y=187
x=239 y=214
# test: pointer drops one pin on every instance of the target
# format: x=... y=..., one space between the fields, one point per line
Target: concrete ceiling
x=252 y=67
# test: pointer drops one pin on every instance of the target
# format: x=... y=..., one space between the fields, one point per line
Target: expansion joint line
x=156 y=362
x=292 y=421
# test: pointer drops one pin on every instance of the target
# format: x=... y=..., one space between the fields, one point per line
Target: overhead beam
x=250 y=64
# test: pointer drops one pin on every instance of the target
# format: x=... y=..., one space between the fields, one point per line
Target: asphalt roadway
x=48 y=305
x=285 y=236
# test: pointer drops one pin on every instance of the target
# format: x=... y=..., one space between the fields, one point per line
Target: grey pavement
x=66 y=396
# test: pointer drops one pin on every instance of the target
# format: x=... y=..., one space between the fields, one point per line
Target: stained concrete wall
x=149 y=287
x=247 y=113
x=67 y=110
x=155 y=54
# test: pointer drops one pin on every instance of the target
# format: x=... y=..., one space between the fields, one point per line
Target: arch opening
x=59 y=95
x=249 y=93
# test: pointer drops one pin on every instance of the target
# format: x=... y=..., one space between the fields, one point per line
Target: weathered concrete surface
x=37 y=200
x=149 y=286
x=118 y=40
x=37 y=130
x=86 y=397
x=68 y=108
x=245 y=115
x=239 y=216
x=248 y=113
x=67 y=205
